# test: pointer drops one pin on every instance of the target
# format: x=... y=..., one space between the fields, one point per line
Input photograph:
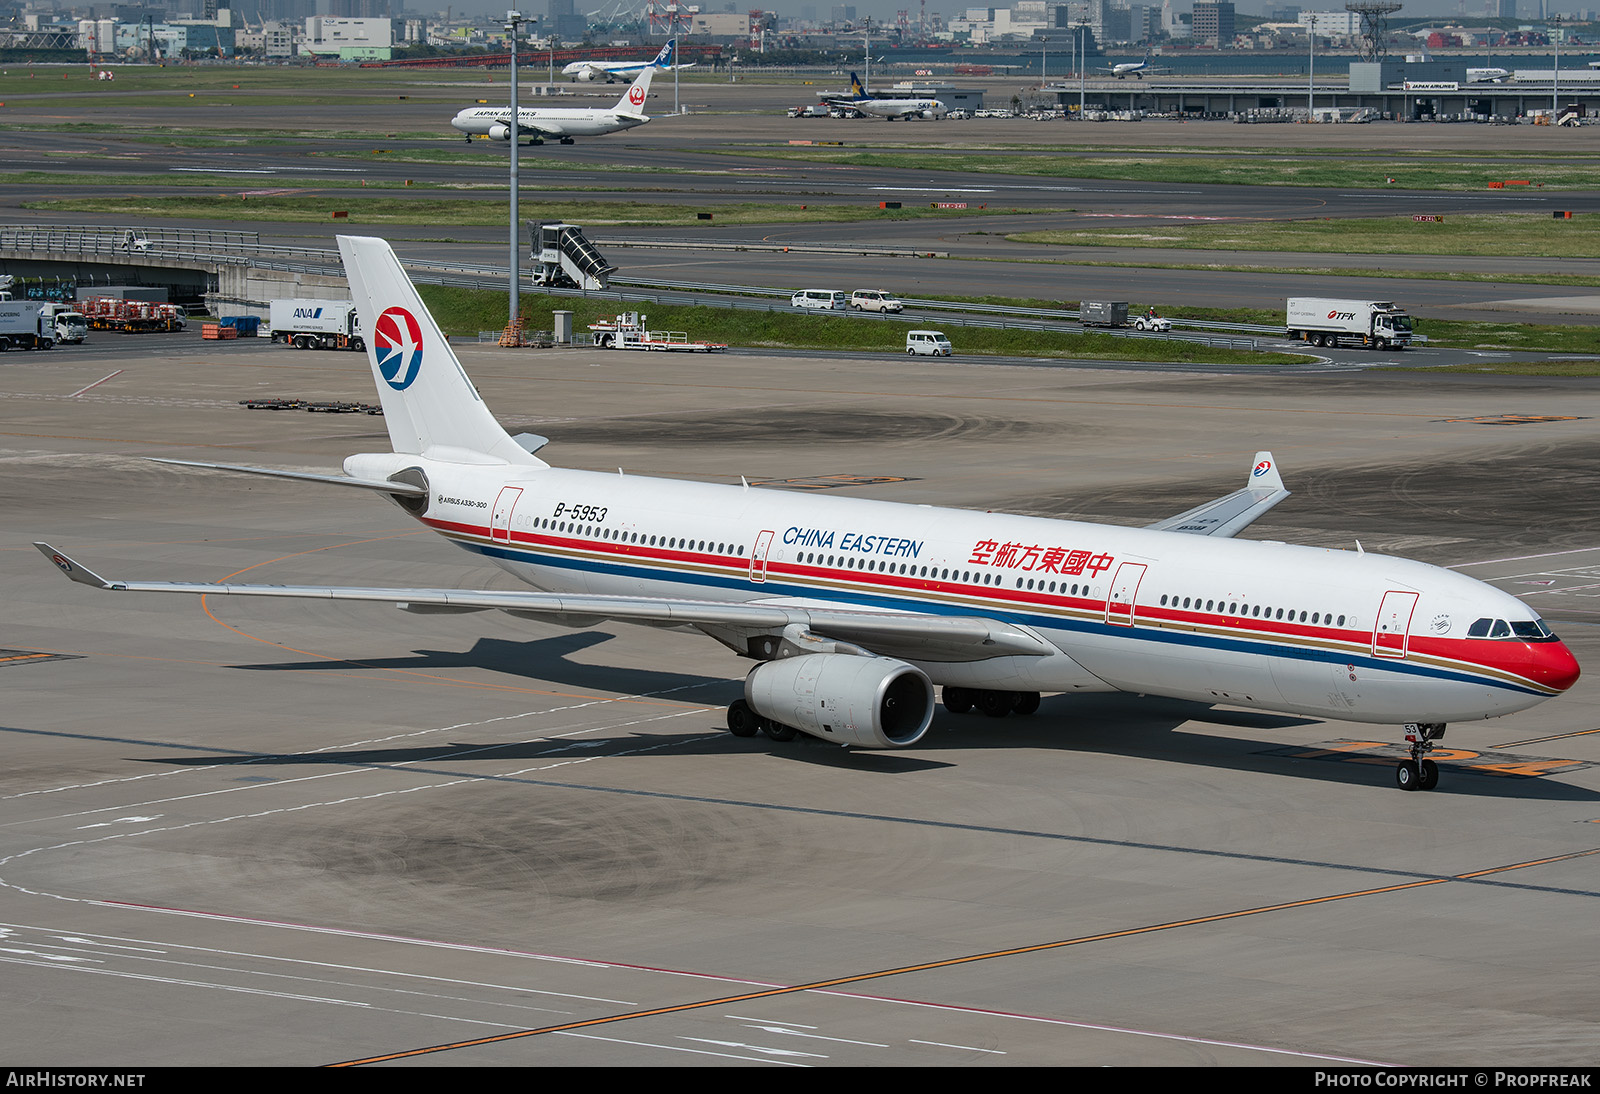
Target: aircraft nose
x=1554 y=666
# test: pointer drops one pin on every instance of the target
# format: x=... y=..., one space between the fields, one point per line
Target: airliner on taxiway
x=853 y=610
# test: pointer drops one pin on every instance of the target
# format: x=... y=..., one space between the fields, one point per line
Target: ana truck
x=1326 y=322
x=23 y=325
x=316 y=324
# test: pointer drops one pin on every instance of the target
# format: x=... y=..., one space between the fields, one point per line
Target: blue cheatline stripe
x=778 y=587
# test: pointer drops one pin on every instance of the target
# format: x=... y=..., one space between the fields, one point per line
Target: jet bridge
x=563 y=258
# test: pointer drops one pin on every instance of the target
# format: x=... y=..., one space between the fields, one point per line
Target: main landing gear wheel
x=742 y=721
x=1419 y=772
x=778 y=731
x=996 y=704
x=957 y=700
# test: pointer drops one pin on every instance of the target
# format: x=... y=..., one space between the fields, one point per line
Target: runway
x=720 y=153
x=318 y=833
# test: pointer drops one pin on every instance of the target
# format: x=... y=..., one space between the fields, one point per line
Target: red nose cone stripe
x=1555 y=667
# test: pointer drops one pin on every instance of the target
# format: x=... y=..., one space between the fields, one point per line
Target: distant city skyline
x=883 y=12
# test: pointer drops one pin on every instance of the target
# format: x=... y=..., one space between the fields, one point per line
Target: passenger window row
x=641 y=538
x=1254 y=611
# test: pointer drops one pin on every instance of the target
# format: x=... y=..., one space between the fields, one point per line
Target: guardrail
x=760 y=245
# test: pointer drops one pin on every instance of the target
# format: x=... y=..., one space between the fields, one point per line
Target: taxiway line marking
x=96 y=384
x=952 y=962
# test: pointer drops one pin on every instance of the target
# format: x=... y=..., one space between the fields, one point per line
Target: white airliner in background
x=860 y=99
x=610 y=70
x=561 y=122
x=1136 y=69
x=854 y=609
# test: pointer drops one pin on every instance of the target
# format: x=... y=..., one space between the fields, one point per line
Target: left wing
x=1227 y=516
x=896 y=634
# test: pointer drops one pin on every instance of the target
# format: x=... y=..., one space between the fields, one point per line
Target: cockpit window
x=1529 y=630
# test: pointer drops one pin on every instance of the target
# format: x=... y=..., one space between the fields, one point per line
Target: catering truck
x=23 y=325
x=1325 y=322
x=316 y=324
x=70 y=324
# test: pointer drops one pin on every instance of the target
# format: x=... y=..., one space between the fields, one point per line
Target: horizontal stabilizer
x=1226 y=516
x=386 y=486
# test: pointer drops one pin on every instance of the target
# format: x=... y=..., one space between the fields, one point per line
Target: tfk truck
x=1325 y=322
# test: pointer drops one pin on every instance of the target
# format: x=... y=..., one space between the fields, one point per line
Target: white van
x=927 y=343
x=826 y=299
x=875 y=300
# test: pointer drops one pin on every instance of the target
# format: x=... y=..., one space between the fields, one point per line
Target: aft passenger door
x=500 y=518
x=1124 y=588
x=1391 y=631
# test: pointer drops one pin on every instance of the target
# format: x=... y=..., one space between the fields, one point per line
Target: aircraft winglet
x=75 y=570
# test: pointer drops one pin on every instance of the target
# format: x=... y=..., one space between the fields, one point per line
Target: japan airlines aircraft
x=561 y=122
x=610 y=70
x=854 y=609
x=859 y=99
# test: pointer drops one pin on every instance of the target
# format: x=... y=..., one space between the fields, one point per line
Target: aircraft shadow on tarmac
x=1113 y=725
x=547 y=660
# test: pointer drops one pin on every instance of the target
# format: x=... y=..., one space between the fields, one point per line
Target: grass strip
x=464 y=211
x=1489 y=235
x=1255 y=168
x=464 y=312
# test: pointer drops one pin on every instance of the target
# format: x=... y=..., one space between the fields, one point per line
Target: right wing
x=909 y=635
x=1228 y=515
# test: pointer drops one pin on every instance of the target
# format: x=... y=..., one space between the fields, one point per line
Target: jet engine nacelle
x=500 y=132
x=869 y=702
x=586 y=75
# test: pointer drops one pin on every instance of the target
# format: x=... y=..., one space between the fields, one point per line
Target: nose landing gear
x=1419 y=773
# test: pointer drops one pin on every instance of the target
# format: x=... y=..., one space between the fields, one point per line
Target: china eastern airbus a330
x=854 y=610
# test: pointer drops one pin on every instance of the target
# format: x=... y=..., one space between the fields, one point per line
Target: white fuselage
x=899 y=108
x=1342 y=634
x=546 y=121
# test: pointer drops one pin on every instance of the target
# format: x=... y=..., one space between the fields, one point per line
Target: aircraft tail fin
x=429 y=404
x=632 y=102
x=664 y=58
x=858 y=90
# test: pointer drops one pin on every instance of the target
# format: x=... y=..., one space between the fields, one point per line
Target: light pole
x=1555 y=76
x=1311 y=74
x=1083 y=63
x=1044 y=43
x=866 y=62
x=513 y=20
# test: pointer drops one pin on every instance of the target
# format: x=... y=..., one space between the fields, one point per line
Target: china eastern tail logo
x=1261 y=469
x=397 y=343
x=636 y=95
